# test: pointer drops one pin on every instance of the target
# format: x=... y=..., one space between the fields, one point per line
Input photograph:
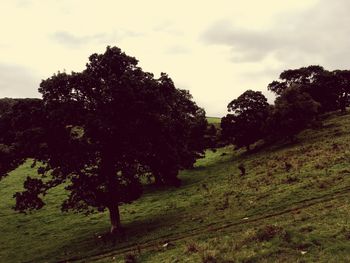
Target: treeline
x=6 y=105
x=301 y=96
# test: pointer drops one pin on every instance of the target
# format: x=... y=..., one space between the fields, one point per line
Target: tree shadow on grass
x=98 y=241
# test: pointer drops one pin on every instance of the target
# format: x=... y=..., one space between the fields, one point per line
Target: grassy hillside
x=268 y=215
x=214 y=120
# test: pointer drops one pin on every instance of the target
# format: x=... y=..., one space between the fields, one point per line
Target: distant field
x=214 y=120
x=269 y=215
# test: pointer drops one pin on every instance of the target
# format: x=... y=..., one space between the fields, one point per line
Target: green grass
x=269 y=215
x=214 y=120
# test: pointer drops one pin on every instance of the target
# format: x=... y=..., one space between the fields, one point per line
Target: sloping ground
x=293 y=205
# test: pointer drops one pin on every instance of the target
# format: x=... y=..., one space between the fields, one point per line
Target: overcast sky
x=216 y=49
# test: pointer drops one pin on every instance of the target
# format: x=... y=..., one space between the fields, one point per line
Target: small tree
x=99 y=131
x=244 y=125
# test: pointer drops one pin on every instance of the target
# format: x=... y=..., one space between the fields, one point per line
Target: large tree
x=322 y=85
x=99 y=131
x=244 y=124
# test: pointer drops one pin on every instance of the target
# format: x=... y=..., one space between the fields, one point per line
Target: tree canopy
x=329 y=88
x=99 y=131
x=6 y=104
x=304 y=77
x=244 y=125
x=341 y=82
x=293 y=111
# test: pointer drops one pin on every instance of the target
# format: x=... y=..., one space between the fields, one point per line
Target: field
x=293 y=205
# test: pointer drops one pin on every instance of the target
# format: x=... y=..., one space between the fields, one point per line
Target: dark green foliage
x=342 y=87
x=6 y=105
x=303 y=94
x=99 y=131
x=244 y=125
x=304 y=76
x=293 y=111
x=212 y=137
x=29 y=199
x=324 y=90
x=329 y=88
x=24 y=141
x=214 y=134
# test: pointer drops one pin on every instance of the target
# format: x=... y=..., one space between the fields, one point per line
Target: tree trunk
x=115 y=219
x=158 y=180
x=107 y=171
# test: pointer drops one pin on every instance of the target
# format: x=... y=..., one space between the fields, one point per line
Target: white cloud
x=70 y=40
x=316 y=35
x=246 y=43
x=17 y=82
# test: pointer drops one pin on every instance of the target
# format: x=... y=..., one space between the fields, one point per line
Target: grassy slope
x=270 y=215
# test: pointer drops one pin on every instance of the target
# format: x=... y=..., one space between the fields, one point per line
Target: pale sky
x=216 y=49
